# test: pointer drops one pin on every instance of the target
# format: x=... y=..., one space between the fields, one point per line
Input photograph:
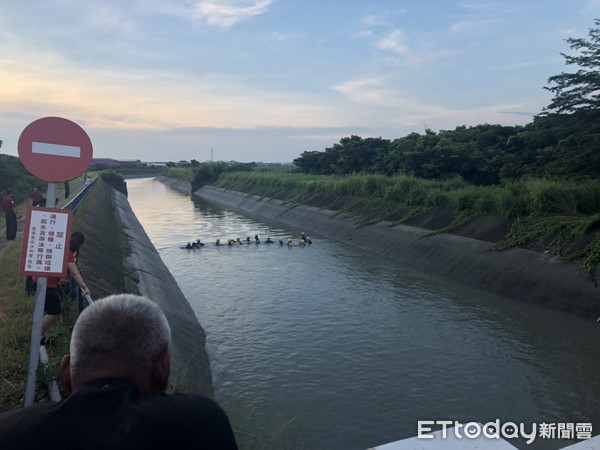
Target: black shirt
x=110 y=413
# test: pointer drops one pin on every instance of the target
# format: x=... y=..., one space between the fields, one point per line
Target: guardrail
x=80 y=197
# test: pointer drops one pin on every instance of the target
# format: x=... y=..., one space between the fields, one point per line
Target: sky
x=265 y=80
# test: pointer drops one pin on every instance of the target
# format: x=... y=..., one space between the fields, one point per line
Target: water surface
x=332 y=347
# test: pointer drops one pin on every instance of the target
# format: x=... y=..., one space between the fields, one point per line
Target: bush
x=114 y=180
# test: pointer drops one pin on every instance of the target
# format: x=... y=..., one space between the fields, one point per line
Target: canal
x=331 y=347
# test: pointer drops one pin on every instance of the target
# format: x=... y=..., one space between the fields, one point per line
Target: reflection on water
x=332 y=347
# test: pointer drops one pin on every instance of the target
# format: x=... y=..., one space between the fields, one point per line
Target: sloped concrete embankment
x=516 y=273
x=189 y=360
x=181 y=186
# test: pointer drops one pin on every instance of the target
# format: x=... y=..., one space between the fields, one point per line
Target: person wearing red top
x=10 y=213
x=52 y=306
x=36 y=197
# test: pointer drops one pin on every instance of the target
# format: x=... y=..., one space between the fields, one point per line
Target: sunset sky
x=265 y=80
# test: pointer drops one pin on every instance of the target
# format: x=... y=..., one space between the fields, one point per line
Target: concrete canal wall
x=517 y=273
x=190 y=367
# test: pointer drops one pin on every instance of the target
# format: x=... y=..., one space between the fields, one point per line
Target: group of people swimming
x=303 y=241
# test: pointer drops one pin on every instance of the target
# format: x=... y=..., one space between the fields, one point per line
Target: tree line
x=562 y=142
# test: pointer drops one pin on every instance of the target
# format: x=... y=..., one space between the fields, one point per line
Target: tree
x=579 y=90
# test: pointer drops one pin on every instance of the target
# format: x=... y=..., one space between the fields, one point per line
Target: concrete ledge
x=516 y=273
x=189 y=360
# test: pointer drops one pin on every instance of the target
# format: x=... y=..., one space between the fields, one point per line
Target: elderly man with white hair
x=117 y=372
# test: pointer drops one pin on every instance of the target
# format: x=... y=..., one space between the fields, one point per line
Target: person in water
x=269 y=240
x=188 y=245
x=199 y=243
x=289 y=242
x=309 y=240
x=280 y=241
x=256 y=239
x=247 y=239
x=218 y=242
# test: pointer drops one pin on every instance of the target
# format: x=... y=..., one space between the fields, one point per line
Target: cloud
x=394 y=42
x=381 y=96
x=112 y=19
x=366 y=90
x=444 y=118
x=592 y=6
x=286 y=36
x=226 y=13
x=471 y=27
x=373 y=20
x=40 y=83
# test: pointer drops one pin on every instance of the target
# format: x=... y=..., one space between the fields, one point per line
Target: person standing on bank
x=52 y=306
x=10 y=213
x=116 y=374
x=36 y=197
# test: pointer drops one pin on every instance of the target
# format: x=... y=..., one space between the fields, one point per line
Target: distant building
x=106 y=162
x=131 y=162
x=109 y=162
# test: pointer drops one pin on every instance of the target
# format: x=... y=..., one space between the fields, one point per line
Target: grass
x=102 y=269
x=16 y=312
x=534 y=208
x=181 y=173
x=529 y=197
x=16 y=307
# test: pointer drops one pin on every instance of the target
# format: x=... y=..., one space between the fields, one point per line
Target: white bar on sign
x=55 y=149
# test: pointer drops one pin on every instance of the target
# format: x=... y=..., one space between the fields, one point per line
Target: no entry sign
x=55 y=149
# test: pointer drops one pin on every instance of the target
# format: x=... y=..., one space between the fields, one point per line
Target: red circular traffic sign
x=55 y=149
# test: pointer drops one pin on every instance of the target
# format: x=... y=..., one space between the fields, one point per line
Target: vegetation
x=541 y=179
x=206 y=173
x=580 y=90
x=16 y=312
x=562 y=142
x=104 y=277
x=14 y=176
x=554 y=146
x=114 y=179
x=534 y=208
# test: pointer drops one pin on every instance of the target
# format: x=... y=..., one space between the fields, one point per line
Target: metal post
x=38 y=315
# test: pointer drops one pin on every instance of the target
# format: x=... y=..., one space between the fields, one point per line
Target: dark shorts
x=52 y=304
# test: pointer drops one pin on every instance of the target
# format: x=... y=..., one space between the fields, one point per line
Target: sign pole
x=55 y=150
x=38 y=315
x=36 y=336
x=51 y=195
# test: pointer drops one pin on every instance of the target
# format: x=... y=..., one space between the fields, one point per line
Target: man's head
x=124 y=336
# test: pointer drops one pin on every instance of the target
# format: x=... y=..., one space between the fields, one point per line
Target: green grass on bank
x=530 y=197
x=535 y=208
x=16 y=313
